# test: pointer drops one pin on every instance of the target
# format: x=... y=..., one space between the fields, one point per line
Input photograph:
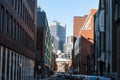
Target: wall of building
x=63 y=65
x=58 y=31
x=84 y=45
x=17 y=38
x=106 y=39
x=78 y=23
x=44 y=47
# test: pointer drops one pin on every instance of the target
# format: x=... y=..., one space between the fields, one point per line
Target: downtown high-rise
x=58 y=31
x=68 y=47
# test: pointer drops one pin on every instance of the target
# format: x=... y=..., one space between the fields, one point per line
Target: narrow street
x=56 y=77
x=76 y=77
x=59 y=78
x=59 y=39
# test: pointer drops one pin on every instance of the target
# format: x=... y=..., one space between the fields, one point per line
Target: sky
x=65 y=10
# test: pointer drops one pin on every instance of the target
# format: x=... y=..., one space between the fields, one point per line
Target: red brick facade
x=88 y=32
x=84 y=27
x=78 y=23
x=87 y=41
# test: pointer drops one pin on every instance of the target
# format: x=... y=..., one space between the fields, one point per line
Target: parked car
x=81 y=77
x=96 y=78
x=104 y=78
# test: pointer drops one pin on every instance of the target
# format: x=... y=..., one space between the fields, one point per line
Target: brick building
x=78 y=23
x=83 y=47
x=44 y=61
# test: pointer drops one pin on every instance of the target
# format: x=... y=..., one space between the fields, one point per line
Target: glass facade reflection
x=14 y=66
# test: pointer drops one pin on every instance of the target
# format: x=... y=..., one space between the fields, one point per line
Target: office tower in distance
x=58 y=31
x=68 y=47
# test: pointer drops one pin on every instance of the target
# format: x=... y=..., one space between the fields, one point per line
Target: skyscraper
x=58 y=31
x=68 y=47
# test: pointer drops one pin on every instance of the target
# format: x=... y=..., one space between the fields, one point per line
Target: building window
x=7 y=22
x=2 y=19
x=107 y=7
x=3 y=64
x=19 y=68
x=17 y=31
x=19 y=6
x=8 y=63
x=12 y=2
x=13 y=28
x=27 y=19
x=16 y=5
x=10 y=28
x=25 y=15
x=1 y=52
x=23 y=12
x=14 y=66
x=21 y=35
x=9 y=54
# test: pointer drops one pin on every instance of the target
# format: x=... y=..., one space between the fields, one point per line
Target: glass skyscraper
x=58 y=31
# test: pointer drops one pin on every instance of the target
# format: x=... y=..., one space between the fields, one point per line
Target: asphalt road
x=58 y=78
